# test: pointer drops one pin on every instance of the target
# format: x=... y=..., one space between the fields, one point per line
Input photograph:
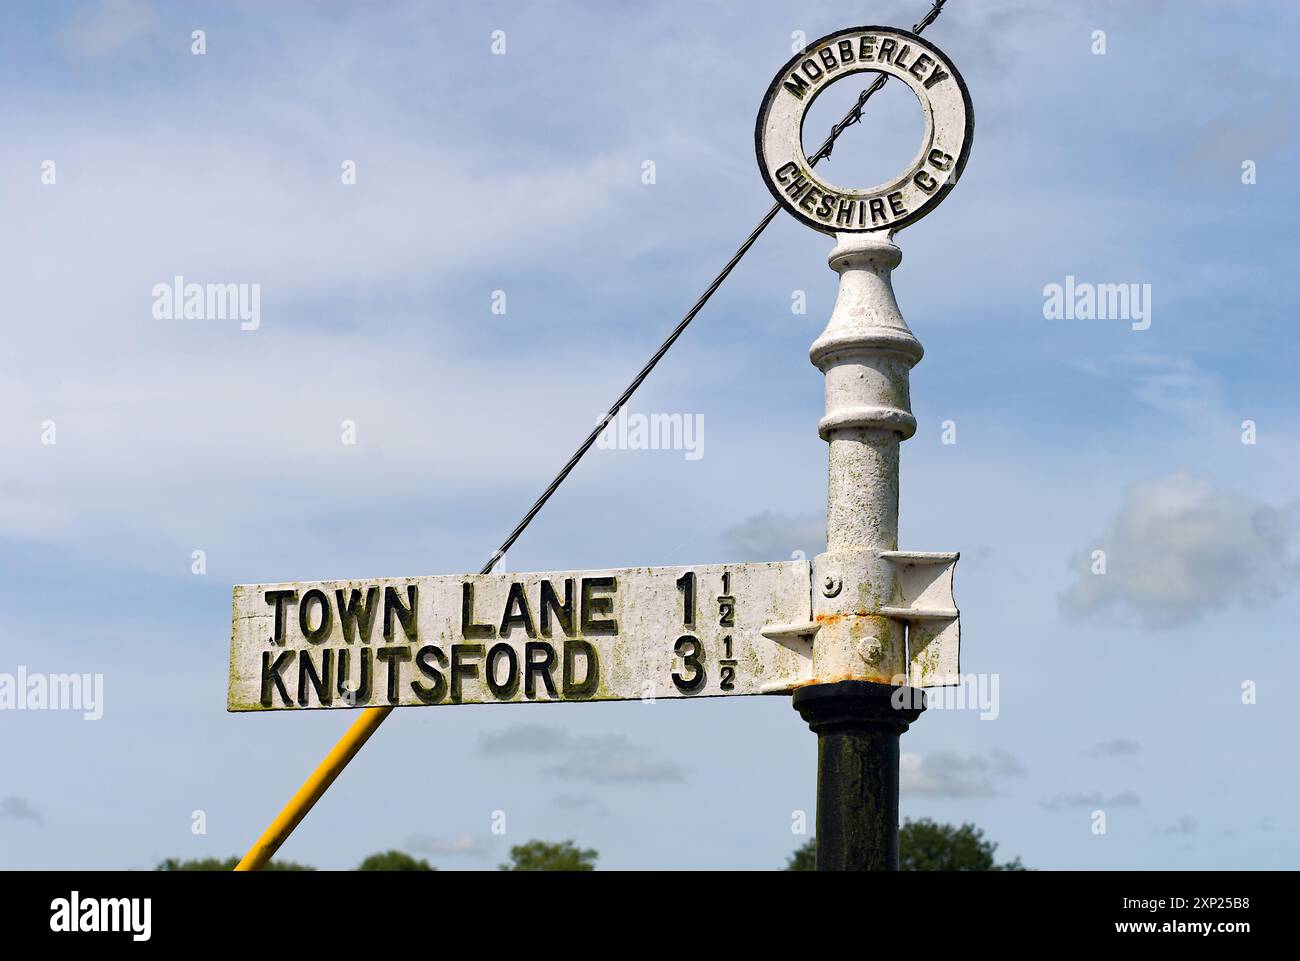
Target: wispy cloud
x=1091 y=799
x=945 y=774
x=464 y=845
x=1184 y=825
x=107 y=27
x=774 y=537
x=590 y=805
x=19 y=809
x=609 y=759
x=1116 y=747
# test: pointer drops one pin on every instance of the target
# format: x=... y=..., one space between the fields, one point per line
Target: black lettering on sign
x=393 y=657
x=686 y=584
x=846 y=51
x=357 y=613
x=361 y=693
x=887 y=48
x=462 y=669
x=828 y=58
x=429 y=693
x=878 y=210
x=939 y=160
x=321 y=683
x=551 y=604
x=591 y=621
x=811 y=70
x=922 y=64
x=502 y=690
x=279 y=599
x=690 y=650
x=901 y=61
x=935 y=77
x=517 y=612
x=896 y=203
x=786 y=168
x=405 y=614
x=573 y=688
x=925 y=181
x=866 y=48
x=271 y=675
x=467 y=626
x=726 y=611
x=797 y=85
x=728 y=672
x=534 y=667
x=322 y=631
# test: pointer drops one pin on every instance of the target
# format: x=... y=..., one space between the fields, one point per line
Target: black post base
x=857 y=724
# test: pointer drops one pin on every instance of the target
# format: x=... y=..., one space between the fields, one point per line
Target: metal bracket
x=799 y=638
x=930 y=614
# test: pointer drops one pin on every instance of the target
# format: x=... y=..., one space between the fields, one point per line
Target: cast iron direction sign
x=845 y=634
x=635 y=633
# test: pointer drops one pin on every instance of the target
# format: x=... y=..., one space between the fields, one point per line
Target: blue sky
x=522 y=172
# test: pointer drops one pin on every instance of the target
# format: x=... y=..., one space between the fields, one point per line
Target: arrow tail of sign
x=930 y=612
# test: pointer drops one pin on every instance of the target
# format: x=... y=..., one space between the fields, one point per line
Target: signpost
x=853 y=636
x=885 y=617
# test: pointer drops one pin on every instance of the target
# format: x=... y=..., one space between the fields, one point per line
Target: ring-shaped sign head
x=949 y=127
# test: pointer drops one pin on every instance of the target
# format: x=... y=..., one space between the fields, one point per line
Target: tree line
x=923 y=845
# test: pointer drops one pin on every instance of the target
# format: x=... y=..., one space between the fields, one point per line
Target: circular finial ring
x=949 y=126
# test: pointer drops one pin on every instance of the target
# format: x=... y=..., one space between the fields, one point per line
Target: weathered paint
x=928 y=609
x=876 y=626
x=918 y=188
x=633 y=629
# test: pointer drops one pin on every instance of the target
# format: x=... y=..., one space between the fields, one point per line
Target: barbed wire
x=855 y=112
x=853 y=116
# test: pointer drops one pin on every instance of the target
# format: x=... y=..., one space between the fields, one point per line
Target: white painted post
x=865 y=353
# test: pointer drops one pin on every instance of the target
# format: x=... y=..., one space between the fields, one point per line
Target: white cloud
x=1178 y=548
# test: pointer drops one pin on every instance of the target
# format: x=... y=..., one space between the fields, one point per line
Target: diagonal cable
x=853 y=116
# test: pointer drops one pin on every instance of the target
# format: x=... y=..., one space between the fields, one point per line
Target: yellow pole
x=313 y=788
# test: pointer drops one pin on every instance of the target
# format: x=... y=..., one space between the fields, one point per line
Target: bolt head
x=831 y=585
